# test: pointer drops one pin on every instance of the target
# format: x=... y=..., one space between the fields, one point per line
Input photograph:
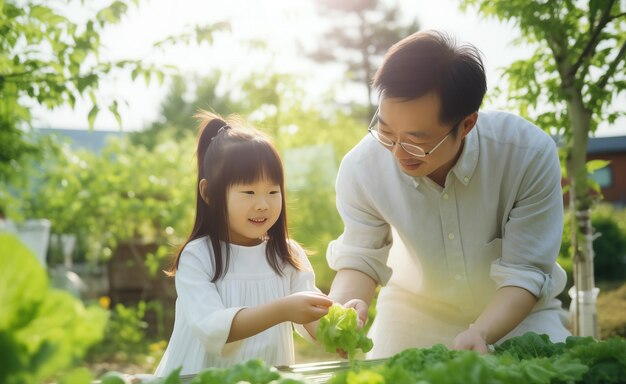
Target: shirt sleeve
x=201 y=303
x=533 y=232
x=366 y=240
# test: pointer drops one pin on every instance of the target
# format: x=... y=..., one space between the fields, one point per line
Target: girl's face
x=252 y=210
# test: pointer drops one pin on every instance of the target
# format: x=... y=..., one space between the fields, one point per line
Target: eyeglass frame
x=376 y=135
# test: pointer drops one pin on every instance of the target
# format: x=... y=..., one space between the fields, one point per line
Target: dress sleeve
x=200 y=302
x=302 y=280
x=366 y=240
x=532 y=234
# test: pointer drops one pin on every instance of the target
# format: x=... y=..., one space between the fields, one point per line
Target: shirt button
x=466 y=179
x=457 y=277
x=445 y=196
x=451 y=236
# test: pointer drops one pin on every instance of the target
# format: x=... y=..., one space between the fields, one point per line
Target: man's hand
x=361 y=308
x=348 y=284
x=505 y=311
x=472 y=340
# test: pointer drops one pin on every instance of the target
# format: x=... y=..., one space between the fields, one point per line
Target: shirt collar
x=465 y=165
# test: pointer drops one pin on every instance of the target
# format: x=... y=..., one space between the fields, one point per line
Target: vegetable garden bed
x=528 y=359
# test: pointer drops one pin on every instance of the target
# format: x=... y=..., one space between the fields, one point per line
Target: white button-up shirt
x=497 y=222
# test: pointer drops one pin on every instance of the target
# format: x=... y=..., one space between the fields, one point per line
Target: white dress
x=205 y=310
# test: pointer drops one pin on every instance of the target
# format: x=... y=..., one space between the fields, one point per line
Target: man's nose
x=397 y=150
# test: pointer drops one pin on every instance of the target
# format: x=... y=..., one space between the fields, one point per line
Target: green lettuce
x=338 y=330
x=43 y=331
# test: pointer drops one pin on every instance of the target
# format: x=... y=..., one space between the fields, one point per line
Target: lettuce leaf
x=338 y=330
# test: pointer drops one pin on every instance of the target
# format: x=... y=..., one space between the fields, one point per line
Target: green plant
x=49 y=59
x=125 y=335
x=338 y=330
x=127 y=194
x=42 y=331
x=609 y=245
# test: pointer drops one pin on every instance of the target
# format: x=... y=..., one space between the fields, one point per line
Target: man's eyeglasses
x=411 y=149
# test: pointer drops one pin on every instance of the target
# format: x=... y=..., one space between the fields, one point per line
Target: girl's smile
x=252 y=210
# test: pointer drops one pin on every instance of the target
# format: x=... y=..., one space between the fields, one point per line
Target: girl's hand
x=305 y=307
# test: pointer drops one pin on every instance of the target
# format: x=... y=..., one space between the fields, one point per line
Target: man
x=471 y=202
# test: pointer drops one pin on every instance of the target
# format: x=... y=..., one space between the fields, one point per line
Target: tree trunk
x=585 y=321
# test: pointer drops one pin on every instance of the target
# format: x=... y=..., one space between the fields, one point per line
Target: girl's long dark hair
x=229 y=154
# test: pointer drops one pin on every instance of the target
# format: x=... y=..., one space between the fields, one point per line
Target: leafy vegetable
x=42 y=330
x=530 y=345
x=338 y=330
x=252 y=371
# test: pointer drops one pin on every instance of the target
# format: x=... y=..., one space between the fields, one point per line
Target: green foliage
x=338 y=330
x=42 y=330
x=176 y=120
x=127 y=194
x=49 y=60
x=568 y=86
x=252 y=371
x=530 y=358
x=609 y=245
x=579 y=49
x=125 y=335
x=113 y=378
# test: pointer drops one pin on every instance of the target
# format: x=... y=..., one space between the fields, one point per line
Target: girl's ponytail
x=210 y=124
x=209 y=127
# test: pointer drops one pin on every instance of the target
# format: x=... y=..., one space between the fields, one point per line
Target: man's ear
x=468 y=124
x=203 y=187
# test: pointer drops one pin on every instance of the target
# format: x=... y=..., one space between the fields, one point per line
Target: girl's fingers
x=319 y=311
x=321 y=299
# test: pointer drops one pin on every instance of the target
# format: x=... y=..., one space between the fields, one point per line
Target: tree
x=364 y=30
x=568 y=86
x=176 y=119
x=48 y=59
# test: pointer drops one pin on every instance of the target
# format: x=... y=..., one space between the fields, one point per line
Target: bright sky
x=283 y=24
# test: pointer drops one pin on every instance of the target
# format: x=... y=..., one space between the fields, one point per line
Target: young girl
x=240 y=281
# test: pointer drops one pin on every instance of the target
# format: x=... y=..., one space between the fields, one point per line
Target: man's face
x=417 y=122
x=252 y=210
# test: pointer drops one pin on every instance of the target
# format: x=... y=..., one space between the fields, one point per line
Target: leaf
x=338 y=330
x=594 y=165
x=23 y=282
x=114 y=111
x=42 y=330
x=160 y=76
x=135 y=72
x=91 y=117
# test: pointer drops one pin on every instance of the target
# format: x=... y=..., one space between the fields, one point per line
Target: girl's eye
x=248 y=192
x=274 y=192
